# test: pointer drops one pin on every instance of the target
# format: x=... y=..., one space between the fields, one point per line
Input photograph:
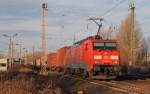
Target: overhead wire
x=144 y=20
x=114 y=7
x=141 y=4
x=111 y=9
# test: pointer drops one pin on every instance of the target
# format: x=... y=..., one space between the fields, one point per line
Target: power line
x=146 y=19
x=110 y=10
x=144 y=23
x=115 y=6
x=142 y=4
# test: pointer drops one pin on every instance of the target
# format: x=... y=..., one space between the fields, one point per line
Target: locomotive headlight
x=96 y=61
x=115 y=62
x=114 y=57
x=97 y=57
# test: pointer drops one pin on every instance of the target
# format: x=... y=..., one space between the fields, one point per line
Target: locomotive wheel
x=90 y=74
x=105 y=71
x=72 y=71
x=66 y=71
x=85 y=75
x=94 y=73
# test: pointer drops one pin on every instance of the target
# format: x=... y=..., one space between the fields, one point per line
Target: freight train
x=91 y=57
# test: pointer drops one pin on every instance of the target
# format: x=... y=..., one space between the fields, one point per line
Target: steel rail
x=123 y=87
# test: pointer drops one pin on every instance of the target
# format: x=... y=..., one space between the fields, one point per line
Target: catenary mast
x=44 y=10
x=132 y=38
x=43 y=37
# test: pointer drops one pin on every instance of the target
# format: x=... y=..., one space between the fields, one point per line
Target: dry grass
x=27 y=83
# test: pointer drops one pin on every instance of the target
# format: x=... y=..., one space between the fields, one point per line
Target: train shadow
x=134 y=73
x=133 y=76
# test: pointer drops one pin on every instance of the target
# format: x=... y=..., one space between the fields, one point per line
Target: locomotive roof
x=94 y=39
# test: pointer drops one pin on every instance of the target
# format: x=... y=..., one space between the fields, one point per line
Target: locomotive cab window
x=99 y=46
x=105 y=46
x=110 y=46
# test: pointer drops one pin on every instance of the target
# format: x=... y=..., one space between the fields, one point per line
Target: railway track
x=130 y=88
x=115 y=85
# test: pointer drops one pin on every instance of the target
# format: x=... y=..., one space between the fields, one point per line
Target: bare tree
x=143 y=54
x=108 y=33
x=124 y=39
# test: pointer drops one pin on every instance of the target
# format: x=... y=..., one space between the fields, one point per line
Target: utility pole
x=44 y=9
x=43 y=59
x=10 y=53
x=132 y=39
x=33 y=56
x=13 y=46
x=20 y=53
x=10 y=47
x=26 y=56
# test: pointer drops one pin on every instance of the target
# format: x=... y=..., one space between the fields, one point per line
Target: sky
x=65 y=19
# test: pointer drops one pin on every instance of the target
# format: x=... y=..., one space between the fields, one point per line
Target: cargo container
x=61 y=53
x=38 y=62
x=51 y=60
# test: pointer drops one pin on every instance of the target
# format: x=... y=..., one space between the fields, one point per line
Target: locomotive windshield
x=105 y=46
x=99 y=46
x=110 y=46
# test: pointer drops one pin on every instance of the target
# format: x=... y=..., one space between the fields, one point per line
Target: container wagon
x=51 y=61
x=60 y=56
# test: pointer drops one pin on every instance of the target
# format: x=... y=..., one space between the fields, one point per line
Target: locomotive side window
x=110 y=46
x=99 y=46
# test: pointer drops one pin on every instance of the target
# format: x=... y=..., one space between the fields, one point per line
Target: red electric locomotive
x=93 y=57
